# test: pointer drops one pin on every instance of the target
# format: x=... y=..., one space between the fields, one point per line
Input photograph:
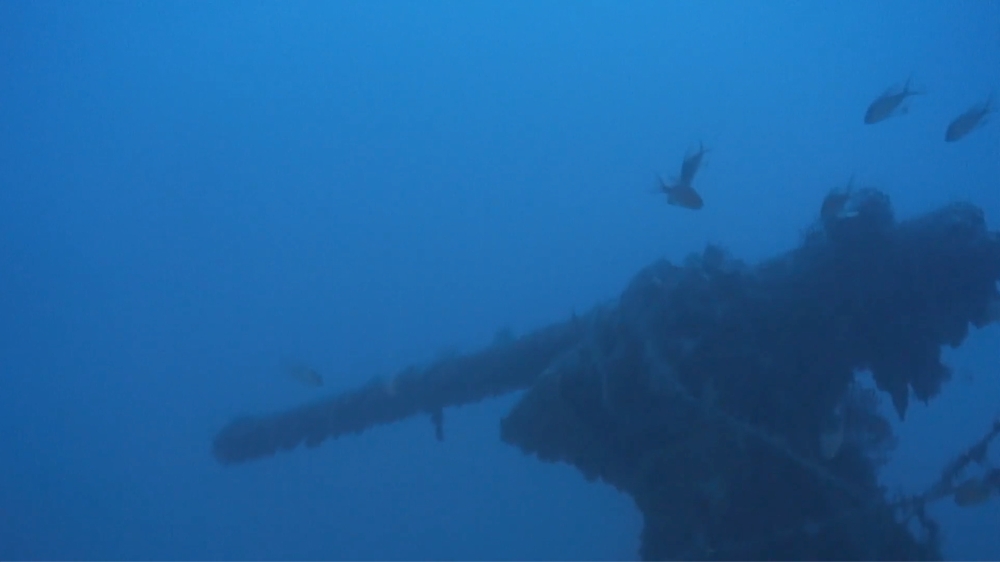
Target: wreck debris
x=703 y=392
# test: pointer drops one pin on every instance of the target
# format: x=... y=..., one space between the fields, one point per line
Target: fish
x=889 y=104
x=682 y=195
x=691 y=164
x=973 y=118
x=972 y=492
x=305 y=375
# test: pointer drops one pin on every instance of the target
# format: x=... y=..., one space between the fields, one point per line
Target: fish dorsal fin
x=903 y=90
x=909 y=90
x=661 y=186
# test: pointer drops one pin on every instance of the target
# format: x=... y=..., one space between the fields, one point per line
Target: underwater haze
x=193 y=194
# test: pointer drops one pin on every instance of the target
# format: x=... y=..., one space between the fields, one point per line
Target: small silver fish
x=972 y=119
x=889 y=104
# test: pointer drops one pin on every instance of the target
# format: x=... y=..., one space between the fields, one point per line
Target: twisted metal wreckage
x=708 y=391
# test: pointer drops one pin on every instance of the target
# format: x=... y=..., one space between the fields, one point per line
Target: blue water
x=190 y=191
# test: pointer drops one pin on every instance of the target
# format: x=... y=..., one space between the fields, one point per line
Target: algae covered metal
x=726 y=397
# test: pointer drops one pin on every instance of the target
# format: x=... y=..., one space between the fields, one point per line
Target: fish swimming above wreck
x=681 y=195
x=681 y=192
x=890 y=104
x=691 y=165
x=972 y=119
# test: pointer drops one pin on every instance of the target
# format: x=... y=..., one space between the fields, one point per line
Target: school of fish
x=893 y=102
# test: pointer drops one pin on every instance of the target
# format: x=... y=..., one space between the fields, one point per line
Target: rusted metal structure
x=725 y=397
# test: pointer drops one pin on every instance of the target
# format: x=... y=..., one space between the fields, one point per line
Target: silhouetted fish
x=682 y=195
x=889 y=104
x=972 y=119
x=690 y=165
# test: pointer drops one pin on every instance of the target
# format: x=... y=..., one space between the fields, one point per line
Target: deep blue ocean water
x=191 y=191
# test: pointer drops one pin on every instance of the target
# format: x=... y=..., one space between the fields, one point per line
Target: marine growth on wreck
x=725 y=398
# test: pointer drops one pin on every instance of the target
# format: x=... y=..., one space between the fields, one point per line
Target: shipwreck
x=726 y=398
